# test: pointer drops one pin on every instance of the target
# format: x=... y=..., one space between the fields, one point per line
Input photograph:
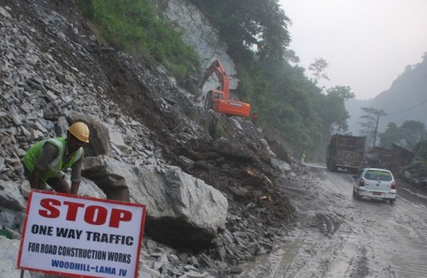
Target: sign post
x=81 y=236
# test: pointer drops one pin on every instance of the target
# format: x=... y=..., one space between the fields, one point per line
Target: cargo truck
x=345 y=152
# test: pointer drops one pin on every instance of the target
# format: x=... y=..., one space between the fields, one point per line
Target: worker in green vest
x=45 y=160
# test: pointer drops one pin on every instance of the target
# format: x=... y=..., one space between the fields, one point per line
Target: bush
x=134 y=27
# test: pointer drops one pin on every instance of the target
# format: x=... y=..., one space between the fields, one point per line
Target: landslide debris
x=63 y=69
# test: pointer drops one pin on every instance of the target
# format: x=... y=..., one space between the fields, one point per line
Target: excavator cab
x=212 y=98
x=218 y=94
x=215 y=100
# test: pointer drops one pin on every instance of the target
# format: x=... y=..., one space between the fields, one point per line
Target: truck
x=219 y=98
x=346 y=152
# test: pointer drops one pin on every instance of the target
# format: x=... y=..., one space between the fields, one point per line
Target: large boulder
x=182 y=211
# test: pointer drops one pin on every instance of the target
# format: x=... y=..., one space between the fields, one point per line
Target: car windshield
x=378 y=175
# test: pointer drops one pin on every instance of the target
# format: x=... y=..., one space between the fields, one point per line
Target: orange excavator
x=219 y=98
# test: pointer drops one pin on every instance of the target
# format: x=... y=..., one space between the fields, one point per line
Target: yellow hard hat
x=80 y=131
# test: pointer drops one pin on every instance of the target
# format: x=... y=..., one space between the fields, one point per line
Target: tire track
x=339 y=237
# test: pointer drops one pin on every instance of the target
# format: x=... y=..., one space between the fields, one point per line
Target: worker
x=45 y=160
x=303 y=157
x=254 y=118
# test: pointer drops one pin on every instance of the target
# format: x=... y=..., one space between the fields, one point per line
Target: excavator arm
x=219 y=99
x=217 y=68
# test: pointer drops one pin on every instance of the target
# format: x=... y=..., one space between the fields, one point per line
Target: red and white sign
x=80 y=236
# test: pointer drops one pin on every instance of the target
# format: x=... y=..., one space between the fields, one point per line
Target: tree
x=318 y=68
x=290 y=56
x=282 y=95
x=370 y=126
x=407 y=135
x=391 y=135
x=412 y=132
x=342 y=92
x=420 y=149
x=331 y=108
x=249 y=26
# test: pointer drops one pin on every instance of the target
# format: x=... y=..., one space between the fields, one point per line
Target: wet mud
x=336 y=236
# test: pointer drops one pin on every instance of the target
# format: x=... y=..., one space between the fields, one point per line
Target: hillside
x=405 y=100
x=407 y=97
x=54 y=72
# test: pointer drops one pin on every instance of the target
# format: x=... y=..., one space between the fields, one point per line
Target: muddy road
x=337 y=236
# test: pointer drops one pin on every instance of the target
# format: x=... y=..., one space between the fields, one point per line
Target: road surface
x=337 y=236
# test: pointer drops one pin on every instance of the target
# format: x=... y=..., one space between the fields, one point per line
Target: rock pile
x=51 y=76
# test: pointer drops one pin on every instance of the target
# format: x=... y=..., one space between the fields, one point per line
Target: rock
x=9 y=251
x=194 y=211
x=141 y=125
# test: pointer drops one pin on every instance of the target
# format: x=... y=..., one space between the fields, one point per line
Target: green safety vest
x=58 y=163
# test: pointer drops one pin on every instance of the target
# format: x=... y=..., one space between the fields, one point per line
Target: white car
x=375 y=183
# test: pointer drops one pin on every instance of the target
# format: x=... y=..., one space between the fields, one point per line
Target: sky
x=367 y=43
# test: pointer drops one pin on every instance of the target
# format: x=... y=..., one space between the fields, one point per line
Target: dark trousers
x=56 y=183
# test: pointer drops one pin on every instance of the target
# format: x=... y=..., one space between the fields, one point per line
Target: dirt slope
x=178 y=127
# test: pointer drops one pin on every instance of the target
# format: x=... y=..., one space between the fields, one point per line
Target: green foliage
x=249 y=26
x=256 y=36
x=391 y=135
x=331 y=108
x=133 y=26
x=219 y=130
x=408 y=134
x=341 y=92
x=421 y=149
x=288 y=102
x=5 y=233
x=413 y=131
x=318 y=68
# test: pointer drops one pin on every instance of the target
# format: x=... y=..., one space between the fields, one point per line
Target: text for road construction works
x=81 y=236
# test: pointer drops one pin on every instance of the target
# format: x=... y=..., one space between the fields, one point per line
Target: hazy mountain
x=405 y=100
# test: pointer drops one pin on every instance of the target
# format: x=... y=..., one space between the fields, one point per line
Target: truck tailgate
x=349 y=158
